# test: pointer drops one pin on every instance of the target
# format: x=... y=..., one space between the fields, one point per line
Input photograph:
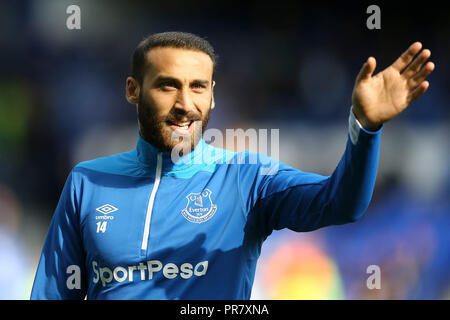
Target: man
x=140 y=225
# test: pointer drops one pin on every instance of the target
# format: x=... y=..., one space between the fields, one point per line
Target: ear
x=213 y=104
x=132 y=90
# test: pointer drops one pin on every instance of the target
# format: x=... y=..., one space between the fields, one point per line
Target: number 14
x=101 y=226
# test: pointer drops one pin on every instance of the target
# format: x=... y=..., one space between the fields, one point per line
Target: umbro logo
x=106 y=208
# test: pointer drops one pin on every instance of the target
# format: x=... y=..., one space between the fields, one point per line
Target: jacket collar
x=147 y=155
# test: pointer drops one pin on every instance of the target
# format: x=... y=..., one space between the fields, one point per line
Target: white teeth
x=184 y=125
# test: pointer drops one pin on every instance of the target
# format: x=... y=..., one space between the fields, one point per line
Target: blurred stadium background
x=282 y=65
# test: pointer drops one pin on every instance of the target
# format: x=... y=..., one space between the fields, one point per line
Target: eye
x=167 y=85
x=198 y=86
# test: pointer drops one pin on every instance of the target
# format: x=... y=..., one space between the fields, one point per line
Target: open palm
x=377 y=99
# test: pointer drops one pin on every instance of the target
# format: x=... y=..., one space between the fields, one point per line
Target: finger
x=407 y=56
x=367 y=69
x=415 y=66
x=420 y=90
x=420 y=76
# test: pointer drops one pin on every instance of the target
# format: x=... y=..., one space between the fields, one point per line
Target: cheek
x=203 y=102
x=159 y=103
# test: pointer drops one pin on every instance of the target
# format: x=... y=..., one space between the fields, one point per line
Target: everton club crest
x=199 y=207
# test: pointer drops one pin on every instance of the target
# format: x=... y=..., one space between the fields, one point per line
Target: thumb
x=367 y=69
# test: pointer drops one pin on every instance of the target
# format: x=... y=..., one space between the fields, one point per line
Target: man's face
x=176 y=97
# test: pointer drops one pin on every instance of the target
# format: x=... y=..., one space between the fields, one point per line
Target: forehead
x=179 y=63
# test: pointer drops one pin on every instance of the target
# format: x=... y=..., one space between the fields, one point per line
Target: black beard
x=153 y=129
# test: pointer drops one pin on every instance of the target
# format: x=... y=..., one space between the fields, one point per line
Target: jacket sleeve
x=61 y=269
x=301 y=201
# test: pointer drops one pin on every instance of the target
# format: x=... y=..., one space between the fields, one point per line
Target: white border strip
x=151 y=202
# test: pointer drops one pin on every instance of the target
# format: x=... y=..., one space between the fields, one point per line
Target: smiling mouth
x=182 y=127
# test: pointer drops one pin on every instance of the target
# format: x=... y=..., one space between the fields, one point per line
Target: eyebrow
x=167 y=78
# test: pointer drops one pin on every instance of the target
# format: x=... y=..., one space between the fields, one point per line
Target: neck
x=147 y=153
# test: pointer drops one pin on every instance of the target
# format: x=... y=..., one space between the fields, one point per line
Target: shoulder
x=260 y=163
x=120 y=164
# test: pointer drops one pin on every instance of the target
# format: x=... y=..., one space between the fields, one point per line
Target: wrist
x=364 y=122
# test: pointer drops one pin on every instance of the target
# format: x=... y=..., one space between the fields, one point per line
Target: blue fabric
x=212 y=211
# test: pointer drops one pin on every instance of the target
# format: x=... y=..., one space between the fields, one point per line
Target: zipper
x=151 y=202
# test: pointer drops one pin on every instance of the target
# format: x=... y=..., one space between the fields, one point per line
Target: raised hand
x=377 y=99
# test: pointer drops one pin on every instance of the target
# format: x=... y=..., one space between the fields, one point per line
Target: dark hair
x=172 y=39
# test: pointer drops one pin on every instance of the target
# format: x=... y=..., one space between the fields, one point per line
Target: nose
x=184 y=101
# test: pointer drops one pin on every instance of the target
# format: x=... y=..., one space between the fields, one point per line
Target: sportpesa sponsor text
x=146 y=270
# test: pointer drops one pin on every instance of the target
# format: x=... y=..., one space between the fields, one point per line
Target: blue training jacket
x=136 y=225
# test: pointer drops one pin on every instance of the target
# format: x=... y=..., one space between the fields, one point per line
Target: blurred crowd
x=285 y=65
